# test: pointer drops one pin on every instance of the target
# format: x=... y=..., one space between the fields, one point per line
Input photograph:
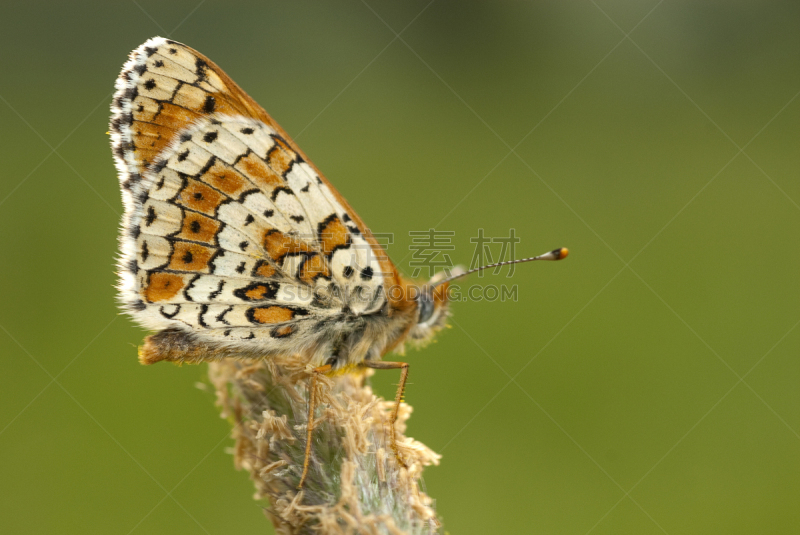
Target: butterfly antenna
x=557 y=254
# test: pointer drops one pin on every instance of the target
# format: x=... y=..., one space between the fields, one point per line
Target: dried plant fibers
x=354 y=485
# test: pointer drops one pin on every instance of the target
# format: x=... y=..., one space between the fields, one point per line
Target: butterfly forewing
x=229 y=231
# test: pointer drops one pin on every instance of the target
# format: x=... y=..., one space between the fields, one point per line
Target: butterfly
x=234 y=245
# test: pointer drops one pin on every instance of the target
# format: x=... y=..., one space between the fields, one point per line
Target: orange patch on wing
x=281 y=143
x=190 y=257
x=163 y=286
x=279 y=160
x=264 y=269
x=314 y=266
x=256 y=170
x=225 y=179
x=273 y=314
x=175 y=117
x=281 y=332
x=150 y=136
x=278 y=245
x=334 y=234
x=257 y=292
x=198 y=227
x=200 y=197
x=145 y=156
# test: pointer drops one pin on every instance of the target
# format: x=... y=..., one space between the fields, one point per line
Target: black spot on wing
x=366 y=273
x=200 y=320
x=213 y=295
x=257 y=291
x=169 y=315
x=243 y=196
x=158 y=166
x=280 y=189
x=200 y=69
x=221 y=318
x=189 y=287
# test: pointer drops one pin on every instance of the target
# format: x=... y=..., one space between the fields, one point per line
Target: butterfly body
x=233 y=244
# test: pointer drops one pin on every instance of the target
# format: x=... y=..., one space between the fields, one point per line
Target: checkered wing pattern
x=229 y=231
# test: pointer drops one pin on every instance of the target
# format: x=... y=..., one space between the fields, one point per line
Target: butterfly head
x=433 y=299
x=432 y=302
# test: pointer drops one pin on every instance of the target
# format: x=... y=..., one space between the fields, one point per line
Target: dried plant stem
x=354 y=483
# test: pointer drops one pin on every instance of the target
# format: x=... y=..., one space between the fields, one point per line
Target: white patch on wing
x=211 y=290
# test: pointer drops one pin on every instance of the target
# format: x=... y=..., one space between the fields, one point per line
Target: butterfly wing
x=230 y=233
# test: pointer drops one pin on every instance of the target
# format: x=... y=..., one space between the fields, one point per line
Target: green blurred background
x=648 y=384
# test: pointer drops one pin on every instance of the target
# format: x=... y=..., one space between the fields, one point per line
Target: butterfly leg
x=312 y=405
x=401 y=388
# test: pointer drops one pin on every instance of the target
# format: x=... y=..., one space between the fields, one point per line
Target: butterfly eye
x=425 y=303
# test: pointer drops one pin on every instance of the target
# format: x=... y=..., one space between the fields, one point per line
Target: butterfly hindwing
x=229 y=231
